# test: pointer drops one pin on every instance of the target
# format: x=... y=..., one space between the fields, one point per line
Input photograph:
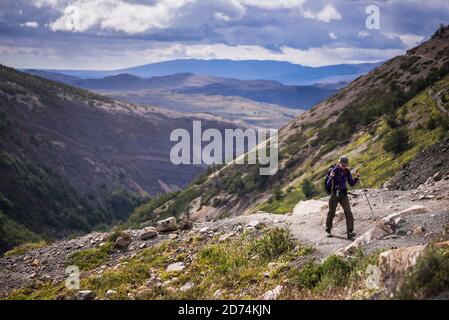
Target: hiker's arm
x=351 y=180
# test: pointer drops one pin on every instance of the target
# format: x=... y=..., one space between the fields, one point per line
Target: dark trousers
x=344 y=201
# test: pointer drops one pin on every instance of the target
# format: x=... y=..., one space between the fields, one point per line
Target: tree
x=308 y=188
x=397 y=141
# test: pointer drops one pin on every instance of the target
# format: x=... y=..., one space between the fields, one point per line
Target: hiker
x=336 y=181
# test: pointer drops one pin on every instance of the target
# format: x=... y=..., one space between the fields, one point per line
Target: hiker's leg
x=344 y=201
x=333 y=202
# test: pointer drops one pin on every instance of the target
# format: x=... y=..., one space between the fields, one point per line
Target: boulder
x=441 y=245
x=122 y=241
x=176 y=267
x=254 y=224
x=148 y=233
x=410 y=211
x=304 y=208
x=378 y=231
x=395 y=263
x=418 y=230
x=85 y=295
x=167 y=225
x=273 y=294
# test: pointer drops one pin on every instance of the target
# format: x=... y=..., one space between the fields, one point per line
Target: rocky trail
x=403 y=219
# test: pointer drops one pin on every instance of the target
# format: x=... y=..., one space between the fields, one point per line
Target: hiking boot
x=329 y=234
x=351 y=235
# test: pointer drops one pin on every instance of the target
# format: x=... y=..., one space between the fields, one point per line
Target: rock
x=441 y=245
x=110 y=293
x=154 y=281
x=218 y=293
x=142 y=245
x=304 y=208
x=204 y=229
x=417 y=209
x=225 y=237
x=170 y=290
x=188 y=286
x=273 y=294
x=85 y=295
x=122 y=241
x=437 y=176
x=254 y=224
x=148 y=233
x=35 y=263
x=176 y=267
x=398 y=220
x=418 y=230
x=172 y=236
x=167 y=225
x=376 y=232
x=401 y=233
x=185 y=225
x=395 y=263
x=273 y=265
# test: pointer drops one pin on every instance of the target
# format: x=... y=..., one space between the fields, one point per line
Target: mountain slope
x=285 y=72
x=185 y=93
x=380 y=120
x=71 y=159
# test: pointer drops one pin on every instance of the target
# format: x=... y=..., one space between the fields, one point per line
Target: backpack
x=328 y=175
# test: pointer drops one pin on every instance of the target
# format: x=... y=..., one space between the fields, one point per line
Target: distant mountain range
x=284 y=72
x=265 y=91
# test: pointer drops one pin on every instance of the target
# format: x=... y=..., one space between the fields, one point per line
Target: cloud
x=120 y=33
x=409 y=40
x=310 y=57
x=137 y=18
x=30 y=24
x=46 y=3
x=332 y=35
x=363 y=34
x=276 y=4
x=327 y=14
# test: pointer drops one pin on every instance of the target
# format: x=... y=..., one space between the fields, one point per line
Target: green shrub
x=23 y=248
x=90 y=258
x=308 y=189
x=274 y=243
x=335 y=271
x=428 y=278
x=309 y=276
x=397 y=141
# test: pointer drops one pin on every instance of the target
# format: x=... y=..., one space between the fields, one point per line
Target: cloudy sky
x=110 y=34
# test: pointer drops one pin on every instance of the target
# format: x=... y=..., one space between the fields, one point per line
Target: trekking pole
x=367 y=200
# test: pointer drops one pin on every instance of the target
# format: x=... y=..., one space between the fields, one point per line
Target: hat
x=344 y=160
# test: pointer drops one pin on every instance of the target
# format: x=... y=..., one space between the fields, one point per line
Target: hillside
x=253 y=103
x=284 y=72
x=260 y=256
x=380 y=120
x=71 y=160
